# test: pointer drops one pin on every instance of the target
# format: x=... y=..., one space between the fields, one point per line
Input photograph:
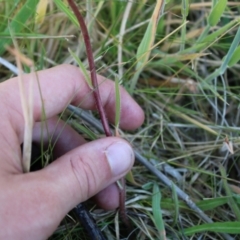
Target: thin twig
x=88 y=222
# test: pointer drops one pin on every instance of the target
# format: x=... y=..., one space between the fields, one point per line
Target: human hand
x=33 y=204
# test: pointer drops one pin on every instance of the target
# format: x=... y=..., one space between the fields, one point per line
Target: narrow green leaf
x=30 y=35
x=232 y=204
x=18 y=22
x=145 y=47
x=185 y=8
x=167 y=203
x=217 y=12
x=230 y=52
x=118 y=104
x=223 y=227
x=157 y=213
x=205 y=205
x=176 y=205
x=237 y=198
x=84 y=130
x=210 y=38
x=210 y=204
x=235 y=57
x=223 y=30
x=63 y=7
x=147 y=186
x=82 y=67
x=130 y=178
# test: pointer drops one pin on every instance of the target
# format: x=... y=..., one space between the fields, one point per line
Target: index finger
x=59 y=86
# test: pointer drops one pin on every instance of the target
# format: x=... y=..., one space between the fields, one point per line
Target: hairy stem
x=91 y=66
x=97 y=97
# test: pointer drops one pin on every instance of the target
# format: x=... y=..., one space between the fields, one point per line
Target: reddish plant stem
x=91 y=67
x=122 y=207
x=98 y=99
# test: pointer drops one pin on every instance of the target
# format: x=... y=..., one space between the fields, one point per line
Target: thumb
x=49 y=194
x=86 y=170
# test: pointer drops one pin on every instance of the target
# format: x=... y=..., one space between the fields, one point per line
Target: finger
x=85 y=171
x=64 y=84
x=63 y=139
x=56 y=134
x=108 y=198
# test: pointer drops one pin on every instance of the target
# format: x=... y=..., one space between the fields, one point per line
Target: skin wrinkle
x=79 y=163
x=91 y=181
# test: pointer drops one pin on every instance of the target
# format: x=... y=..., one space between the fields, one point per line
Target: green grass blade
x=91 y=135
x=211 y=38
x=235 y=57
x=209 y=204
x=226 y=60
x=230 y=53
x=63 y=7
x=31 y=35
x=184 y=11
x=176 y=205
x=82 y=67
x=217 y=12
x=185 y=8
x=232 y=204
x=144 y=48
x=118 y=104
x=205 y=205
x=223 y=227
x=236 y=197
x=214 y=17
x=146 y=44
x=18 y=22
x=157 y=213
